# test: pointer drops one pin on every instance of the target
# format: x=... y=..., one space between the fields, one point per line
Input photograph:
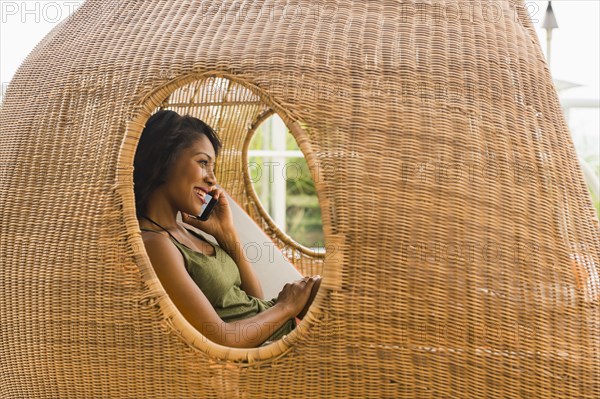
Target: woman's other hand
x=220 y=221
x=294 y=296
x=311 y=297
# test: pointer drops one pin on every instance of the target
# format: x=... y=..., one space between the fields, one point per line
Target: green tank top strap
x=153 y=222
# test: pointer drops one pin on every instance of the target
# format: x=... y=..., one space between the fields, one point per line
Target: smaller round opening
x=283 y=185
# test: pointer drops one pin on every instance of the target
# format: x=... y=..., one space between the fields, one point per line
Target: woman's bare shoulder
x=161 y=249
x=154 y=236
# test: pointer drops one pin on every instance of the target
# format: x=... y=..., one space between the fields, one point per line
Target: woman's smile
x=200 y=193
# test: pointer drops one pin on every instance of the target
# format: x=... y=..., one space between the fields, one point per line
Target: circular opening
x=283 y=185
x=232 y=110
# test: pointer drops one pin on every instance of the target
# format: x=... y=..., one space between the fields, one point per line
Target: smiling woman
x=214 y=287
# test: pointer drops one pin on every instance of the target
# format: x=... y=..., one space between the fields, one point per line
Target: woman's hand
x=311 y=297
x=294 y=296
x=220 y=221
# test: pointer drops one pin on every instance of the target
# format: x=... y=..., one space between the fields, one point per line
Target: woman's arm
x=195 y=307
x=250 y=282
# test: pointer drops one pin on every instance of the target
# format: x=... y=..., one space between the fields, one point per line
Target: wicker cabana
x=462 y=246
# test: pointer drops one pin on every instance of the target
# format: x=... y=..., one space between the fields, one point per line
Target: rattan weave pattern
x=463 y=248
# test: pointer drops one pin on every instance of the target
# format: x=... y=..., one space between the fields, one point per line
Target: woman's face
x=192 y=176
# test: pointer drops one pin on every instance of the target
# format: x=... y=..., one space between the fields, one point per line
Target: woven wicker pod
x=462 y=246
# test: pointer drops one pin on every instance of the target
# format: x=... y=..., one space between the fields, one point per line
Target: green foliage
x=596 y=202
x=303 y=211
x=594 y=162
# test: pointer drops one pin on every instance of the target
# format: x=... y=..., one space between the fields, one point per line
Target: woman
x=214 y=287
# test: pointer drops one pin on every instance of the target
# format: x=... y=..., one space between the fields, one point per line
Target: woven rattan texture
x=463 y=248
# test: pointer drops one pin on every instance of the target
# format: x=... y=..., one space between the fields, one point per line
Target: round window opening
x=283 y=186
x=211 y=137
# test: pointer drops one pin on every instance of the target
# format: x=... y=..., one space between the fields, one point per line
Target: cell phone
x=207 y=208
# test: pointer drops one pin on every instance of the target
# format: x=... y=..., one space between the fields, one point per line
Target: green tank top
x=219 y=279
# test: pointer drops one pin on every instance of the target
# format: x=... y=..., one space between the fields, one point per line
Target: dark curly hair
x=166 y=134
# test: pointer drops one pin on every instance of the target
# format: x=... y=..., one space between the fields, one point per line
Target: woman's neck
x=147 y=221
x=160 y=213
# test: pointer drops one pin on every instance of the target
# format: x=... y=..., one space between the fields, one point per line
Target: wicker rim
x=296 y=131
x=156 y=294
